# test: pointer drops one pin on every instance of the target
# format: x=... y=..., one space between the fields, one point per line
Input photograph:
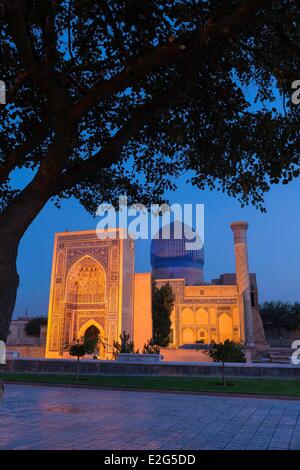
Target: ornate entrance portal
x=91 y=291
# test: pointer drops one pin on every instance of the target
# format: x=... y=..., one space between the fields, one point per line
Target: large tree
x=121 y=96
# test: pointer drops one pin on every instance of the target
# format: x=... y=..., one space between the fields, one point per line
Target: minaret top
x=240 y=224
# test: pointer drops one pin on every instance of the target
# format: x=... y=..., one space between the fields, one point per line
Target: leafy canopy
x=229 y=351
x=123 y=96
x=33 y=326
x=82 y=346
x=280 y=315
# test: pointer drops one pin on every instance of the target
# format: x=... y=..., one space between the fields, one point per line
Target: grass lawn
x=194 y=384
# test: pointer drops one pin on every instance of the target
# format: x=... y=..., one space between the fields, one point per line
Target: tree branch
x=70 y=32
x=50 y=38
x=49 y=83
x=111 y=152
x=17 y=156
x=15 y=219
x=167 y=54
x=17 y=24
x=21 y=79
x=117 y=33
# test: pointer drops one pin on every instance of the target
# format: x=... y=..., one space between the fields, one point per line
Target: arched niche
x=89 y=329
x=92 y=332
x=201 y=316
x=188 y=336
x=113 y=299
x=114 y=259
x=86 y=282
x=225 y=327
x=202 y=335
x=83 y=329
x=187 y=316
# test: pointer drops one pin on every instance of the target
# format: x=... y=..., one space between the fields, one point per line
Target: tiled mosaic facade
x=88 y=288
x=94 y=285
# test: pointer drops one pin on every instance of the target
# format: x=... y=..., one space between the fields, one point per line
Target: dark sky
x=274 y=248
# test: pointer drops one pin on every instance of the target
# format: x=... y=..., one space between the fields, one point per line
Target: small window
x=252 y=299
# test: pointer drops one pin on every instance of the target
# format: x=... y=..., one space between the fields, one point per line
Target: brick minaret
x=243 y=279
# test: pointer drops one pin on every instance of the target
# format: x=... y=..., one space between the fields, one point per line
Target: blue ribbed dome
x=171 y=257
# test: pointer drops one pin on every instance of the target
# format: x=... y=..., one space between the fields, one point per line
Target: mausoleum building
x=94 y=285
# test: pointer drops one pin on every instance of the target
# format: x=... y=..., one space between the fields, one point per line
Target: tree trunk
x=223 y=374
x=18 y=215
x=14 y=222
x=9 y=282
x=77 y=370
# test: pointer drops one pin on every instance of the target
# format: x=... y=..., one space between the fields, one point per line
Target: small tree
x=80 y=347
x=33 y=326
x=229 y=351
x=124 y=346
x=163 y=300
x=150 y=347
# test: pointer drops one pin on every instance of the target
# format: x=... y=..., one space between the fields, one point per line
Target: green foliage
x=151 y=347
x=186 y=102
x=77 y=349
x=163 y=300
x=83 y=346
x=91 y=345
x=124 y=346
x=280 y=315
x=229 y=351
x=33 y=326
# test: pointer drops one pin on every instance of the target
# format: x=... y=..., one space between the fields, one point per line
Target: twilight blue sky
x=274 y=251
x=273 y=238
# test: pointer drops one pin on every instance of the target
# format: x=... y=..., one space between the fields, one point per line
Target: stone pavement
x=38 y=417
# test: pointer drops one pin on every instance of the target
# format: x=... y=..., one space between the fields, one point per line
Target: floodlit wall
x=142 y=309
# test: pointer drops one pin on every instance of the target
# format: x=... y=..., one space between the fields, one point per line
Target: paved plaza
x=37 y=417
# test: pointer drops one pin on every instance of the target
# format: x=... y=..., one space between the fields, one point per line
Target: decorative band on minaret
x=243 y=278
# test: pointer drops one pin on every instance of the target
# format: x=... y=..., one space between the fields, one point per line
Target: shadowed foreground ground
x=34 y=417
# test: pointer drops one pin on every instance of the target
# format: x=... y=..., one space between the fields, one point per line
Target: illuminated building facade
x=91 y=287
x=94 y=286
